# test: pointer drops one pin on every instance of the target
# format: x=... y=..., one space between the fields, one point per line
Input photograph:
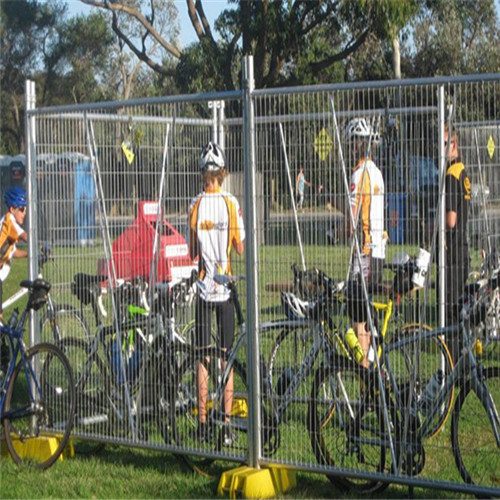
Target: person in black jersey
x=457 y=202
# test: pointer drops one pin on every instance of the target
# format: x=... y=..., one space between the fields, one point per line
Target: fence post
x=441 y=209
x=252 y=267
x=30 y=143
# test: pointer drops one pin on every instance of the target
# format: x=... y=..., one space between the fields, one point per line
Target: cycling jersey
x=9 y=235
x=458 y=196
x=367 y=195
x=216 y=221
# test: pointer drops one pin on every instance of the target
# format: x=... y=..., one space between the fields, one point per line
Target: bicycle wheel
x=64 y=321
x=287 y=357
x=414 y=365
x=92 y=416
x=475 y=447
x=346 y=426
x=224 y=434
x=40 y=402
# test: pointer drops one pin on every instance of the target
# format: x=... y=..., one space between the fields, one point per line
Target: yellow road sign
x=323 y=144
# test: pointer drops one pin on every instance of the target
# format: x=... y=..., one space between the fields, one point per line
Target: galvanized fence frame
x=270 y=132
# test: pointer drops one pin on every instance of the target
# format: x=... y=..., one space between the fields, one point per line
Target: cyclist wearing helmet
x=215 y=227
x=11 y=232
x=367 y=206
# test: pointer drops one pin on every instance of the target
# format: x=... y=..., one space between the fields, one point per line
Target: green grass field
x=122 y=472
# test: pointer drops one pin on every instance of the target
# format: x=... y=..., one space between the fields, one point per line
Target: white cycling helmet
x=358 y=127
x=212 y=158
x=294 y=307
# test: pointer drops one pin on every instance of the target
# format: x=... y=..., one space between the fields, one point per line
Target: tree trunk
x=396 y=57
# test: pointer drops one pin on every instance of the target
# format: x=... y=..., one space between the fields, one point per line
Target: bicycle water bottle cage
x=39 y=293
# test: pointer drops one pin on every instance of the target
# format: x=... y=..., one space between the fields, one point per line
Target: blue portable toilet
x=84 y=201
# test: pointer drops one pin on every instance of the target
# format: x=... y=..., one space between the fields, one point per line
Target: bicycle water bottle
x=352 y=340
x=431 y=391
x=117 y=357
x=13 y=319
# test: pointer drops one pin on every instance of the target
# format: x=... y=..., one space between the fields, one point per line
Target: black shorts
x=1 y=299
x=224 y=314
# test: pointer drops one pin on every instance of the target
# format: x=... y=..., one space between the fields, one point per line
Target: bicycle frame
x=18 y=348
x=466 y=368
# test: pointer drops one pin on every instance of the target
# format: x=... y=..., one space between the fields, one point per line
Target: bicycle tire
x=64 y=321
x=346 y=426
x=474 y=444
x=53 y=404
x=287 y=356
x=92 y=406
x=422 y=358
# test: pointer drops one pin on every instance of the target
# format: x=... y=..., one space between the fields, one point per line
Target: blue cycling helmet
x=15 y=197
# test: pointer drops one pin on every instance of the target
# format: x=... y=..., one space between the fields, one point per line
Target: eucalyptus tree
x=292 y=41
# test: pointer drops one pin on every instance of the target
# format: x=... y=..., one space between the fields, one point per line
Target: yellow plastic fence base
x=39 y=448
x=246 y=482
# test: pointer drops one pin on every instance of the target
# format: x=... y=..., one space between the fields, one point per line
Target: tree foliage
x=129 y=48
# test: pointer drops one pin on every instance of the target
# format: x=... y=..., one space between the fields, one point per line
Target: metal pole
x=30 y=141
x=153 y=270
x=441 y=208
x=483 y=197
x=252 y=268
x=294 y=206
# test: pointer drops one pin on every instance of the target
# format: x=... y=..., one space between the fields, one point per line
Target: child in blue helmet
x=11 y=232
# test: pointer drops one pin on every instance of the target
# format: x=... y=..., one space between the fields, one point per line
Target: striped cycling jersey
x=367 y=194
x=215 y=220
x=9 y=235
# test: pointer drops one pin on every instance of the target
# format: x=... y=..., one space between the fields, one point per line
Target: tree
x=26 y=32
x=454 y=37
x=283 y=36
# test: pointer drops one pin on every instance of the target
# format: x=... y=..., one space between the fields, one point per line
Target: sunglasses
x=22 y=209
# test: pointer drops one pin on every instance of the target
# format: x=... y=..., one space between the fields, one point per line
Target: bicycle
x=59 y=320
x=293 y=355
x=114 y=369
x=325 y=305
x=383 y=422
x=37 y=395
x=179 y=396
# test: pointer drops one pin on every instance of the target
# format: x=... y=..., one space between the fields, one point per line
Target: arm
x=20 y=254
x=193 y=244
x=24 y=236
x=451 y=219
x=239 y=247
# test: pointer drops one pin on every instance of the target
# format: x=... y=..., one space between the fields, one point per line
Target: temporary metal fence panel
x=107 y=174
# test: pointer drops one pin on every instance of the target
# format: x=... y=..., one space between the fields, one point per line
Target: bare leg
x=202 y=392
x=364 y=338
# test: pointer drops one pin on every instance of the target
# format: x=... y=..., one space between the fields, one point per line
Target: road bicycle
x=57 y=320
x=227 y=432
x=37 y=395
x=325 y=311
x=113 y=370
x=379 y=424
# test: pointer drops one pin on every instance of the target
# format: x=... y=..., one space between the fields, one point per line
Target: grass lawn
x=120 y=472
x=123 y=472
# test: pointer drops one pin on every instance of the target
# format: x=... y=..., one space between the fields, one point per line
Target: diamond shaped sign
x=491 y=147
x=323 y=144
